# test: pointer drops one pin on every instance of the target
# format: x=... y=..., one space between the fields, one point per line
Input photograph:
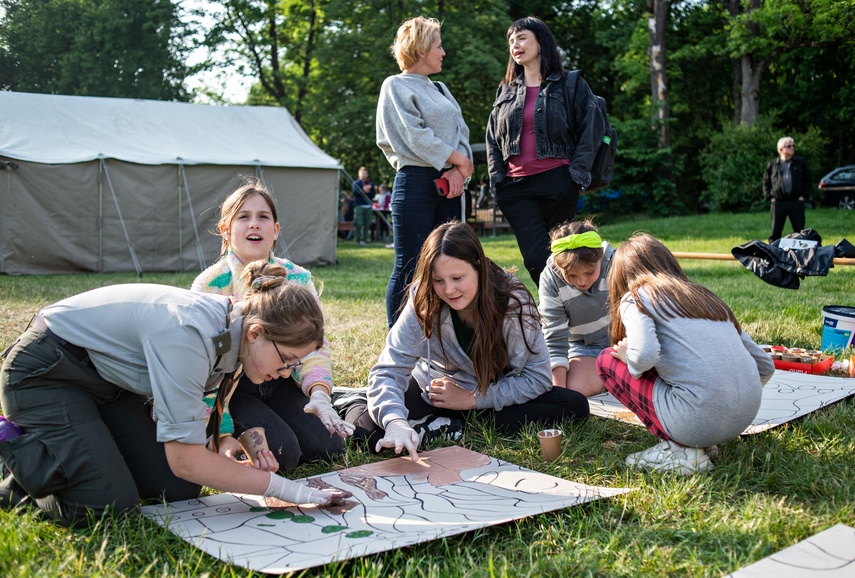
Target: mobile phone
x=442 y=186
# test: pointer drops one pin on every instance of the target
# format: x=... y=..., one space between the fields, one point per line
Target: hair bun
x=266 y=282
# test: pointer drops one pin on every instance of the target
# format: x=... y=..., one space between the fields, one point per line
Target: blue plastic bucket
x=838 y=327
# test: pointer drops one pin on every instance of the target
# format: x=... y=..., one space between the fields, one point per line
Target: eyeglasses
x=787 y=146
x=286 y=365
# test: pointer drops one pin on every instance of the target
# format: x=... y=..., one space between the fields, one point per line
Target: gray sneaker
x=432 y=428
x=669 y=456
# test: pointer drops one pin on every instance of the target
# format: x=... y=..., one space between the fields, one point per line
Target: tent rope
x=199 y=252
x=121 y=219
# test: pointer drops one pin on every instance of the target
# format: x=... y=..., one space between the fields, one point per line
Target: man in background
x=787 y=185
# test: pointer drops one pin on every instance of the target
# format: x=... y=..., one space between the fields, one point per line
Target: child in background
x=574 y=305
x=249 y=228
x=680 y=361
x=468 y=340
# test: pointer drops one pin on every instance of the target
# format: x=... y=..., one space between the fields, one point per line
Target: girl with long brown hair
x=468 y=341
x=680 y=360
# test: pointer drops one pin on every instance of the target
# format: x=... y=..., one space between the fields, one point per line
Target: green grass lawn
x=767 y=491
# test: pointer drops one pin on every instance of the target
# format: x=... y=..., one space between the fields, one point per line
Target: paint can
x=838 y=327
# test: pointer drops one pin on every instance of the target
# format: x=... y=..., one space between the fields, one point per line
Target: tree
x=127 y=48
x=658 y=54
x=325 y=60
x=760 y=31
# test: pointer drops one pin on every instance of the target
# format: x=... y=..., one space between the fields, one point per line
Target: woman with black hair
x=539 y=146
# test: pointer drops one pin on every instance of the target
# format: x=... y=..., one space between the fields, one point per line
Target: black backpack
x=602 y=169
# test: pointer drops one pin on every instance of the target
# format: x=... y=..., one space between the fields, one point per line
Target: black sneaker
x=344 y=397
x=433 y=427
x=12 y=494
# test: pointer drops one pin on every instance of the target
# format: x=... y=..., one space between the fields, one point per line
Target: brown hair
x=231 y=207
x=415 y=36
x=643 y=262
x=496 y=298
x=286 y=313
x=573 y=259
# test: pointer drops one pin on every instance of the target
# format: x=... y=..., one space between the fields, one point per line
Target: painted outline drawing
x=829 y=554
x=395 y=503
x=787 y=396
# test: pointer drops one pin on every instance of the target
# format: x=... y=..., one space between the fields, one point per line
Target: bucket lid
x=841 y=310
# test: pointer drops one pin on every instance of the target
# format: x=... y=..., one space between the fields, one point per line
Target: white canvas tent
x=112 y=184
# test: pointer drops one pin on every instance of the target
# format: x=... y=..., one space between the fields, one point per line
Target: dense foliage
x=739 y=74
x=132 y=48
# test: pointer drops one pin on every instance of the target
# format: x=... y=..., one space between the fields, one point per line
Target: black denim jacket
x=557 y=134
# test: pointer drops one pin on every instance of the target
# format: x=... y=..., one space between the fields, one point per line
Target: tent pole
x=259 y=174
x=180 y=222
x=199 y=252
x=100 y=221
x=122 y=220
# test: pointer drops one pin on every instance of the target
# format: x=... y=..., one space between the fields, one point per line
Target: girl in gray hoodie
x=468 y=341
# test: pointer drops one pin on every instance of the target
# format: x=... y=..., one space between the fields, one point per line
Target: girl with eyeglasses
x=109 y=385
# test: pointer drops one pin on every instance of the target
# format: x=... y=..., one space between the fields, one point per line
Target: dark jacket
x=360 y=197
x=785 y=268
x=773 y=181
x=557 y=134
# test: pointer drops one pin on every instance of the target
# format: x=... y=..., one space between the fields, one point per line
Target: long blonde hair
x=643 y=262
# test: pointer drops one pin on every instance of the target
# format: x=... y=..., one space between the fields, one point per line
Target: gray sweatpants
x=89 y=445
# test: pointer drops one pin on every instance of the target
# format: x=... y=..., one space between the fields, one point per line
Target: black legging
x=550 y=408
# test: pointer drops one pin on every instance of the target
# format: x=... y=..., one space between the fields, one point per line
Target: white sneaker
x=669 y=456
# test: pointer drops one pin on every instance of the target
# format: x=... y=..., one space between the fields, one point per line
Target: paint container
x=838 y=327
x=550 y=443
x=252 y=441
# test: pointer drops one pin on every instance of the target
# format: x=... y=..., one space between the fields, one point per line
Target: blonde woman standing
x=420 y=129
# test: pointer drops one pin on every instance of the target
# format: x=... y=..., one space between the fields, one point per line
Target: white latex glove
x=400 y=435
x=320 y=404
x=297 y=493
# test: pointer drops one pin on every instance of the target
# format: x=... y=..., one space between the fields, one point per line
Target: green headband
x=589 y=239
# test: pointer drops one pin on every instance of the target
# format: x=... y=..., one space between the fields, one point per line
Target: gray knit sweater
x=419 y=125
x=407 y=352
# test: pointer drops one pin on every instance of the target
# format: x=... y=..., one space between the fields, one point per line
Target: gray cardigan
x=418 y=124
x=407 y=353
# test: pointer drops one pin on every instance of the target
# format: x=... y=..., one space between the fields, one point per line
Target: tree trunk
x=658 y=59
x=307 y=63
x=752 y=73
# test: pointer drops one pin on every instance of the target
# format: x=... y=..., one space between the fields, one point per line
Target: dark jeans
x=550 y=408
x=417 y=209
x=533 y=206
x=780 y=210
x=294 y=436
x=89 y=446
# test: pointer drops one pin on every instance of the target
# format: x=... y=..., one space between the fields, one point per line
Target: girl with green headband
x=574 y=305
